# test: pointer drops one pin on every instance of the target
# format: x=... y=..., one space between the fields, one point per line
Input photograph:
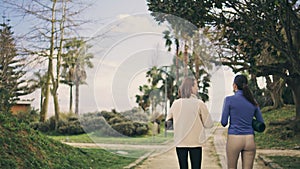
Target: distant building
x=21 y=106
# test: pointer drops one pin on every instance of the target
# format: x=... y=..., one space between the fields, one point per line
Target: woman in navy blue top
x=240 y=109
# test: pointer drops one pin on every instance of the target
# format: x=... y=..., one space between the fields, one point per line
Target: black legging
x=195 y=155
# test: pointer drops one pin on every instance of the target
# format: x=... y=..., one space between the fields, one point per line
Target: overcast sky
x=132 y=44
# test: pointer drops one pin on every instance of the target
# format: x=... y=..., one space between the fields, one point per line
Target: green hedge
x=98 y=124
x=125 y=128
x=103 y=123
x=67 y=126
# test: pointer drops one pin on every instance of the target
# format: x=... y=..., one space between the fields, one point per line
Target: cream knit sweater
x=190 y=117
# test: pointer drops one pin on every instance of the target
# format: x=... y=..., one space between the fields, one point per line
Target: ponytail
x=248 y=95
x=242 y=84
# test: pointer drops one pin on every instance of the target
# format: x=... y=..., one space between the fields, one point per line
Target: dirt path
x=168 y=160
x=164 y=156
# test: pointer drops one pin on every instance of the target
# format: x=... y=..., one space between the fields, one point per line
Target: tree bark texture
x=275 y=88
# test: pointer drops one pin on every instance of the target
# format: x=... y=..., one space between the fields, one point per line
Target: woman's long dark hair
x=242 y=84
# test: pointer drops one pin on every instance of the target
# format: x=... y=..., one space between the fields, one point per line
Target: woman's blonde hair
x=186 y=87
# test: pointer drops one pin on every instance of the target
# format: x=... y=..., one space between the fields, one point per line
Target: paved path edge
x=268 y=162
x=138 y=161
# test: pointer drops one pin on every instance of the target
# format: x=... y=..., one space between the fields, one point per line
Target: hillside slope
x=22 y=147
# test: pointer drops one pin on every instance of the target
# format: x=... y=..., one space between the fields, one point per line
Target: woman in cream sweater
x=190 y=116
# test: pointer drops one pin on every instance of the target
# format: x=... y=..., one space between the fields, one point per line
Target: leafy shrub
x=136 y=114
x=107 y=132
x=72 y=118
x=51 y=121
x=71 y=128
x=62 y=123
x=67 y=124
x=116 y=120
x=102 y=123
x=131 y=128
x=97 y=124
x=40 y=126
x=91 y=124
x=44 y=127
x=108 y=115
x=27 y=117
x=125 y=128
x=140 y=128
x=123 y=125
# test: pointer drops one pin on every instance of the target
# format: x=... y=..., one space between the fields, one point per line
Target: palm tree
x=76 y=60
x=151 y=95
x=41 y=82
x=68 y=78
x=168 y=44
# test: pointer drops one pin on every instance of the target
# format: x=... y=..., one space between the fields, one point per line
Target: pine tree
x=11 y=70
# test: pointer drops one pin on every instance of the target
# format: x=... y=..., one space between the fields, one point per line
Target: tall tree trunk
x=197 y=77
x=56 y=105
x=50 y=65
x=197 y=56
x=77 y=98
x=185 y=55
x=294 y=84
x=177 y=61
x=41 y=100
x=71 y=99
x=54 y=81
x=275 y=88
x=56 y=110
x=45 y=101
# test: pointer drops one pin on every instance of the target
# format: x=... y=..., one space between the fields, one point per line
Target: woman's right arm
x=205 y=116
x=225 y=112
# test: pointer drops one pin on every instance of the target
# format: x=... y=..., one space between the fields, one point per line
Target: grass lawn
x=133 y=152
x=100 y=158
x=81 y=138
x=92 y=138
x=279 y=135
x=286 y=162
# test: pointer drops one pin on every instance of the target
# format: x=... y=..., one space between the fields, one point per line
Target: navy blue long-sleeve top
x=240 y=112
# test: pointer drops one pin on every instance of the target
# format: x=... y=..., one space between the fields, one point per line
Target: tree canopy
x=261 y=37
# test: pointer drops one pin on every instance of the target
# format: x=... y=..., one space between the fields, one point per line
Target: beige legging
x=243 y=144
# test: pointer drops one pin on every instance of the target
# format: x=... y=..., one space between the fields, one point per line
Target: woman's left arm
x=258 y=115
x=205 y=116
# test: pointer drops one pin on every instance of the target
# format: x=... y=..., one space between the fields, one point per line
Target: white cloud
x=122 y=16
x=138 y=23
